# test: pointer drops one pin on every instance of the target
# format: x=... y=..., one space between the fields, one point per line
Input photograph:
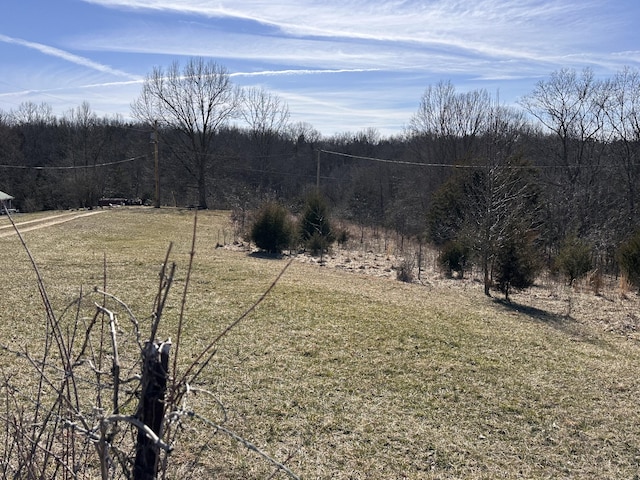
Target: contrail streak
x=69 y=57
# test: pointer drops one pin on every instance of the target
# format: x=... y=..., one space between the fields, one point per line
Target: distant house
x=5 y=200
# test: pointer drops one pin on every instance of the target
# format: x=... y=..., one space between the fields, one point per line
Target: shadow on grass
x=562 y=323
x=533 y=312
x=267 y=255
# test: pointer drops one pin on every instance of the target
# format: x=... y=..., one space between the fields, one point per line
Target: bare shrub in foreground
x=101 y=398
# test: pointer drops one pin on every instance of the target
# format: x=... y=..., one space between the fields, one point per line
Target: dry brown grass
x=359 y=376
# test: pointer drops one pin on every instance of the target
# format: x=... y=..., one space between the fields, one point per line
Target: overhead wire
x=457 y=165
x=399 y=162
x=72 y=167
x=329 y=152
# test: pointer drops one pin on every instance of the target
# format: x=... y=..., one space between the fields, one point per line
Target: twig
x=246 y=443
x=286 y=460
x=184 y=301
x=132 y=317
x=47 y=306
x=120 y=418
x=163 y=292
x=35 y=445
x=87 y=340
x=190 y=389
x=115 y=363
x=231 y=326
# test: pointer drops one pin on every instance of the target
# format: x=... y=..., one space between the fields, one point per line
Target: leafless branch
x=115 y=364
x=206 y=352
x=132 y=317
x=246 y=443
x=184 y=300
x=163 y=292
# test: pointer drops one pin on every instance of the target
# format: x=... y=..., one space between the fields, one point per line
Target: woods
x=561 y=164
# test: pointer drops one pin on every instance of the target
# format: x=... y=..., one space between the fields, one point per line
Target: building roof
x=5 y=196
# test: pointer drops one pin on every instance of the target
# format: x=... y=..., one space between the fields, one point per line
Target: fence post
x=155 y=367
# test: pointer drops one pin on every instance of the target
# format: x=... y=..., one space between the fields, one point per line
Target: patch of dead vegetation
x=610 y=304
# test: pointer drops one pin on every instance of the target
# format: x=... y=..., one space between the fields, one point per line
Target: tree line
x=475 y=177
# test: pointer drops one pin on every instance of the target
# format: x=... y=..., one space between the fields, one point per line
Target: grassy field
x=348 y=376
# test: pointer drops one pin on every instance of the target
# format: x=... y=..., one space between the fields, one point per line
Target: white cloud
x=488 y=39
x=67 y=56
x=526 y=29
x=299 y=72
x=296 y=53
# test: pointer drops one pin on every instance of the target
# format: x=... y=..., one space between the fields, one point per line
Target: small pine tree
x=454 y=257
x=316 y=232
x=516 y=265
x=628 y=258
x=445 y=216
x=574 y=259
x=272 y=229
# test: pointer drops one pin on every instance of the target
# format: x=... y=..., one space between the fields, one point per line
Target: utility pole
x=318 y=172
x=157 y=169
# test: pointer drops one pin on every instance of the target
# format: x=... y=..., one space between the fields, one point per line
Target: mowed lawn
x=343 y=375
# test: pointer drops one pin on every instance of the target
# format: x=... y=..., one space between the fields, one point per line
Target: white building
x=5 y=202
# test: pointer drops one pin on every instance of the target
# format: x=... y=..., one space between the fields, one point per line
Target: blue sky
x=341 y=65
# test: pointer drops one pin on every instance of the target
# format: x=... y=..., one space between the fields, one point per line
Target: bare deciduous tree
x=492 y=198
x=501 y=199
x=265 y=113
x=267 y=116
x=450 y=120
x=195 y=102
x=86 y=143
x=570 y=106
x=622 y=109
x=32 y=113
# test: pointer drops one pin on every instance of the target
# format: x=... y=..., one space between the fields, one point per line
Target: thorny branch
x=115 y=363
x=246 y=443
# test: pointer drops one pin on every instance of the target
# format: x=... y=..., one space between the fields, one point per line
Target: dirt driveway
x=7 y=230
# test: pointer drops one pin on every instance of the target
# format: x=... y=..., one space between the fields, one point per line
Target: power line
x=455 y=165
x=272 y=172
x=73 y=167
x=399 y=162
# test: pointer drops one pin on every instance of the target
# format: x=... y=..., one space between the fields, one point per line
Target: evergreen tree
x=628 y=257
x=272 y=229
x=516 y=264
x=574 y=259
x=316 y=232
